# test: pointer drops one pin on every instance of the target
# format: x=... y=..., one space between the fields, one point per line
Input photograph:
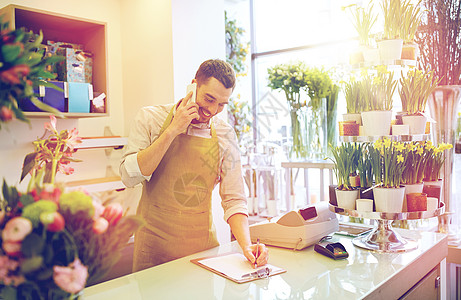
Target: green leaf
x=10 y=52
x=8 y=292
x=28 y=164
x=26 y=199
x=44 y=274
x=32 y=245
x=41 y=105
x=32 y=264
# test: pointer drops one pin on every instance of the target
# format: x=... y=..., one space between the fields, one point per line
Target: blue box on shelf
x=55 y=98
x=79 y=97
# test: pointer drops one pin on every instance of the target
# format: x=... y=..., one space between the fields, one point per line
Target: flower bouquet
x=292 y=79
x=22 y=68
x=55 y=242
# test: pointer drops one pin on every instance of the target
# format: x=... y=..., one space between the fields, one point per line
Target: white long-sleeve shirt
x=145 y=130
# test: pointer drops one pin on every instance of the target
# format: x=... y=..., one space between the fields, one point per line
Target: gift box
x=55 y=98
x=52 y=46
x=77 y=67
x=79 y=97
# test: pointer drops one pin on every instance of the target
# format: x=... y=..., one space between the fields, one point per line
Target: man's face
x=212 y=97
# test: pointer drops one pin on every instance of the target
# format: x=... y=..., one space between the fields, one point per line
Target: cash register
x=296 y=229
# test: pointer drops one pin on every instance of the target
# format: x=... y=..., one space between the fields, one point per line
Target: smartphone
x=192 y=87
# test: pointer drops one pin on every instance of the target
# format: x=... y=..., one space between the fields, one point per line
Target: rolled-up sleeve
x=231 y=189
x=144 y=131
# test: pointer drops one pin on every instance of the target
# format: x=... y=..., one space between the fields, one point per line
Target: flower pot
x=411 y=188
x=410 y=51
x=357 y=117
x=400 y=129
x=416 y=123
x=390 y=50
x=364 y=205
x=433 y=191
x=346 y=199
x=389 y=199
x=371 y=55
x=348 y=128
x=416 y=202
x=376 y=122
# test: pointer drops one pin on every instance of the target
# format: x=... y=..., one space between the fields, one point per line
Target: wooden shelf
x=63 y=28
x=115 y=142
x=97 y=184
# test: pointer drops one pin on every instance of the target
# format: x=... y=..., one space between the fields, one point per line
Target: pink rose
x=72 y=278
x=16 y=229
x=13 y=249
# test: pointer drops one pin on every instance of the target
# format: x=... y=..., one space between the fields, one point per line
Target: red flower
x=13 y=74
x=112 y=213
x=6 y=114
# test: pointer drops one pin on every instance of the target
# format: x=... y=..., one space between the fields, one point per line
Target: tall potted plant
x=377 y=110
x=345 y=157
x=413 y=170
x=353 y=93
x=387 y=164
x=415 y=88
x=363 y=20
x=390 y=46
x=438 y=40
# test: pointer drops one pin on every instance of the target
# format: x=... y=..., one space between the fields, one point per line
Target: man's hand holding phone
x=186 y=111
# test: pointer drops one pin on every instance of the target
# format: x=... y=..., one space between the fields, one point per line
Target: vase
x=411 y=188
x=346 y=199
x=376 y=122
x=331 y=107
x=416 y=123
x=317 y=129
x=434 y=189
x=390 y=50
x=443 y=105
x=298 y=148
x=389 y=199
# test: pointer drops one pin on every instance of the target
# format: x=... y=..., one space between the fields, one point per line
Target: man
x=180 y=152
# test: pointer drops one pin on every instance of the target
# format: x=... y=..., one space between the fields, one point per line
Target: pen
x=257 y=253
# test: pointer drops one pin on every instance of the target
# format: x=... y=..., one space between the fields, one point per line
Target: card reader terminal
x=332 y=250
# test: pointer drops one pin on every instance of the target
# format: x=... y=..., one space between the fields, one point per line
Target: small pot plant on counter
x=345 y=162
x=415 y=88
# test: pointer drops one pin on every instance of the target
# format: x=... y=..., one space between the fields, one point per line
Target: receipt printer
x=296 y=229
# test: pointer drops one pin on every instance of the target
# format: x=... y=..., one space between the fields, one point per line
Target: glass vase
x=297 y=148
x=317 y=129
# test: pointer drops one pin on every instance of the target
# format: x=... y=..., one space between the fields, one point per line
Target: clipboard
x=235 y=267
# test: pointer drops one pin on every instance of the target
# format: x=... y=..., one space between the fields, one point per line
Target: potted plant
x=413 y=170
x=363 y=20
x=365 y=171
x=387 y=165
x=377 y=110
x=292 y=78
x=390 y=46
x=344 y=159
x=438 y=39
x=353 y=93
x=412 y=14
x=414 y=91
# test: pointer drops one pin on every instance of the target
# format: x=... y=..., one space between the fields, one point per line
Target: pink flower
x=50 y=192
x=13 y=249
x=16 y=229
x=72 y=278
x=112 y=213
x=51 y=126
x=98 y=209
x=100 y=225
x=7 y=266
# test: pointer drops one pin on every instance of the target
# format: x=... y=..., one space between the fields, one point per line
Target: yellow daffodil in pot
x=345 y=162
x=387 y=164
x=415 y=88
x=413 y=170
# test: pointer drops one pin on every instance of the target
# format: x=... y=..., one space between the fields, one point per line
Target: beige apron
x=176 y=202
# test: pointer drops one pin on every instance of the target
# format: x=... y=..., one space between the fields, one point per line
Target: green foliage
x=411 y=19
x=35 y=209
x=75 y=202
x=363 y=20
x=415 y=89
x=345 y=159
x=393 y=14
x=22 y=67
x=236 y=50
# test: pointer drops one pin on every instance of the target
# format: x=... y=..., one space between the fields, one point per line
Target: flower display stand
x=383 y=238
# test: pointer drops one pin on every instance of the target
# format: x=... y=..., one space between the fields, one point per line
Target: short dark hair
x=218 y=69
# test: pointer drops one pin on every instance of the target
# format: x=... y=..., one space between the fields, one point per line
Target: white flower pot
x=353 y=117
x=389 y=199
x=376 y=122
x=390 y=50
x=416 y=123
x=346 y=199
x=400 y=129
x=364 y=205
